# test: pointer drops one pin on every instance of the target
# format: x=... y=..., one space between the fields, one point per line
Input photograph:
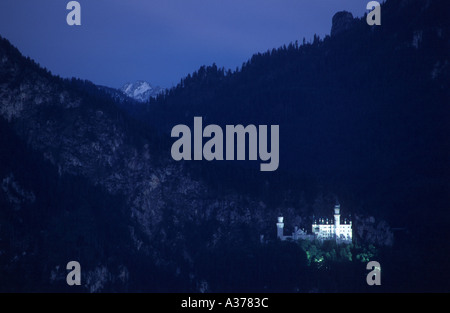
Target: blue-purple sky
x=160 y=41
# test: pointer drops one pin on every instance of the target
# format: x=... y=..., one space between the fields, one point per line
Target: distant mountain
x=141 y=91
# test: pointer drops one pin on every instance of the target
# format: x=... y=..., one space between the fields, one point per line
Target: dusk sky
x=160 y=41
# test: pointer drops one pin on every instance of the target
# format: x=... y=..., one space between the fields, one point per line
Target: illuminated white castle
x=321 y=230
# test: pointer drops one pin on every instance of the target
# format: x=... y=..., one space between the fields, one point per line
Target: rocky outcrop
x=341 y=22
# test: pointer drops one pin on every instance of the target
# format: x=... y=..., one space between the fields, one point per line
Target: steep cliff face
x=85 y=134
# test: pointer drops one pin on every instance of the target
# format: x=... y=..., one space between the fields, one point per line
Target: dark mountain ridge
x=366 y=106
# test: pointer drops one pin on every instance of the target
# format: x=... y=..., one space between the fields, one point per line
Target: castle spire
x=280 y=227
x=337 y=219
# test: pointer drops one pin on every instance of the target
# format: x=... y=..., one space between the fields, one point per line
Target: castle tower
x=280 y=228
x=337 y=220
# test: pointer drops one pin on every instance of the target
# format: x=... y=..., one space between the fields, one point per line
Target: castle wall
x=322 y=230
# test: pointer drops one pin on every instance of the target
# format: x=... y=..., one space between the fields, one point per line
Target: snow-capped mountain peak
x=141 y=91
